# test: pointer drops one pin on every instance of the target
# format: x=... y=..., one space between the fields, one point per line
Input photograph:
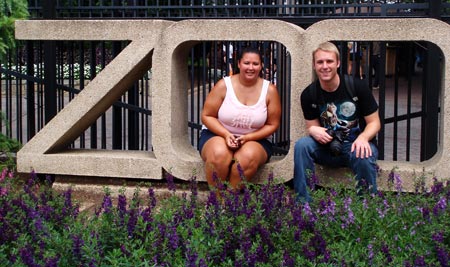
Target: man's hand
x=362 y=147
x=320 y=134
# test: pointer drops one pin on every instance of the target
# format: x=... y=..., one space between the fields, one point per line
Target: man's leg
x=303 y=166
x=366 y=170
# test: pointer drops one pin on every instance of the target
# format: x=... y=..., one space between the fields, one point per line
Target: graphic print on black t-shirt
x=341 y=117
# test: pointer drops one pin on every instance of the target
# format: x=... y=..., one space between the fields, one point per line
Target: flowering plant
x=260 y=226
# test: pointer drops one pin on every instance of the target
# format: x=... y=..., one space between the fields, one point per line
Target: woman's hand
x=241 y=140
x=232 y=142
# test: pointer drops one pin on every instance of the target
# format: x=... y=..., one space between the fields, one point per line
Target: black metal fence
x=41 y=77
x=302 y=11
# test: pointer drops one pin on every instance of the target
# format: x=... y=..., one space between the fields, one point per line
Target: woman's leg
x=250 y=156
x=217 y=157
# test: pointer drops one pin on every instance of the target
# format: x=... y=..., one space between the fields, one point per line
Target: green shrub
x=10 y=11
x=261 y=226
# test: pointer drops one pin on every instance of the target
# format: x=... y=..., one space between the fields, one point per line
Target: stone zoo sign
x=164 y=45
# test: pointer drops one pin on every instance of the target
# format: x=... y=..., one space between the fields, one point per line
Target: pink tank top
x=241 y=119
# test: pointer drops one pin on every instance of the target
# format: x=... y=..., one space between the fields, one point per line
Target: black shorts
x=206 y=134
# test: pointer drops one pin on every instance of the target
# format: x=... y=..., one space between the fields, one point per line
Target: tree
x=10 y=10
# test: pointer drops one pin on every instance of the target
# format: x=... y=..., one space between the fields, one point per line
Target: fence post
x=31 y=115
x=117 y=115
x=49 y=12
x=430 y=118
x=435 y=9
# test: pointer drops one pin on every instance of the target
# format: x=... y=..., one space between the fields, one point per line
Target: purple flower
x=270 y=178
x=216 y=179
x=313 y=181
x=442 y=255
x=420 y=261
x=437 y=187
x=309 y=213
x=3 y=175
x=398 y=183
x=246 y=245
x=3 y=191
x=370 y=253
x=26 y=254
x=213 y=201
x=425 y=212
x=245 y=208
x=170 y=182
x=52 y=262
x=328 y=208
x=387 y=254
x=349 y=218
x=241 y=172
x=194 y=188
x=365 y=205
x=107 y=203
x=28 y=188
x=147 y=219
x=122 y=206
x=440 y=206
x=188 y=212
x=162 y=230
x=38 y=225
x=191 y=258
x=69 y=209
x=438 y=237
x=382 y=212
x=124 y=250
x=132 y=221
x=288 y=261
x=260 y=255
x=391 y=177
x=151 y=198
x=316 y=246
x=76 y=247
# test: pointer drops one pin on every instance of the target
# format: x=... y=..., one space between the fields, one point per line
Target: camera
x=336 y=143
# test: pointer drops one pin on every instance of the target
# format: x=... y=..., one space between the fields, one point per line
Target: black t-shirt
x=337 y=110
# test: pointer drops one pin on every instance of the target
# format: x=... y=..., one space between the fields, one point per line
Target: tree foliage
x=10 y=10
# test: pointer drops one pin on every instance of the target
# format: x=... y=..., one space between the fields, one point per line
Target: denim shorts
x=206 y=134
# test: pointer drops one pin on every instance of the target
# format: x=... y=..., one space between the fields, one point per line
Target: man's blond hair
x=327 y=47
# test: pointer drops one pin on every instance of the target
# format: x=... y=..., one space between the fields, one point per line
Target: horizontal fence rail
x=280 y=9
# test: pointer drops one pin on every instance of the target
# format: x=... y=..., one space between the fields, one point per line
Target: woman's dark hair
x=251 y=50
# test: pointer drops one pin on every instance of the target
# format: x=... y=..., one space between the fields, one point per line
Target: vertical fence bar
x=103 y=117
x=133 y=118
x=430 y=105
x=430 y=122
x=49 y=12
x=409 y=74
x=395 y=134
x=82 y=82
x=382 y=101
x=93 y=65
x=116 y=111
x=31 y=114
x=19 y=88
